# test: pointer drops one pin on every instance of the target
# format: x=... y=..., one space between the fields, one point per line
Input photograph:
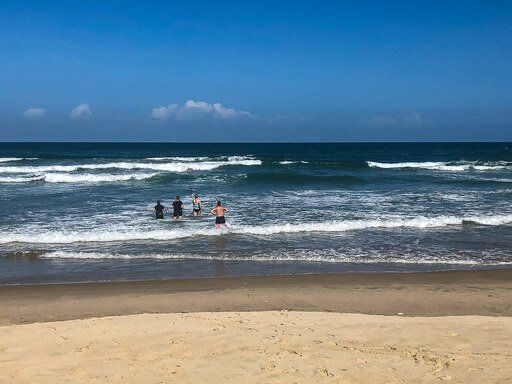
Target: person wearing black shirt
x=159 y=210
x=178 y=209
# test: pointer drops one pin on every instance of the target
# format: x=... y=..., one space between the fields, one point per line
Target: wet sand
x=486 y=293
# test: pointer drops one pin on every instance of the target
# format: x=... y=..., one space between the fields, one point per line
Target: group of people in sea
x=218 y=211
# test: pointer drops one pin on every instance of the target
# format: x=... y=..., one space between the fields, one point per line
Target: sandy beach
x=353 y=328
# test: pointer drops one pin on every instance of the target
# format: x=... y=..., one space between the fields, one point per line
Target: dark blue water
x=83 y=212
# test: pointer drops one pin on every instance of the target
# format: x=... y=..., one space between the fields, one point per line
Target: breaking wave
x=76 y=178
x=351 y=225
x=92 y=178
x=178 y=158
x=63 y=237
x=65 y=173
x=9 y=159
x=288 y=162
x=445 y=166
x=20 y=179
x=163 y=167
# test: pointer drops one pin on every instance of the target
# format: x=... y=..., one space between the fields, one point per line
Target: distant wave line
x=77 y=178
x=177 y=167
x=443 y=166
x=10 y=159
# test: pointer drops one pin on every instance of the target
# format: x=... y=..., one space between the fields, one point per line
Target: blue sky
x=260 y=71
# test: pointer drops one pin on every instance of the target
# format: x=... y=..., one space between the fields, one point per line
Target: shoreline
x=477 y=268
x=226 y=279
x=429 y=294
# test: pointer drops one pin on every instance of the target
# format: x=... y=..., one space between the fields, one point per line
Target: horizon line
x=266 y=142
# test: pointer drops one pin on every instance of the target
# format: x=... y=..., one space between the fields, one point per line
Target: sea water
x=84 y=211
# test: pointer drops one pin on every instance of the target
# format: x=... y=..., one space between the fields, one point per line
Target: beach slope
x=451 y=327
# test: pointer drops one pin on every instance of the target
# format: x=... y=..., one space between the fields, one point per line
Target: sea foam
x=93 y=178
x=101 y=235
x=9 y=159
x=443 y=166
x=76 y=178
x=301 y=256
x=162 y=167
x=179 y=158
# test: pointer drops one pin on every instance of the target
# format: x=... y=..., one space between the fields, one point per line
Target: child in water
x=219 y=212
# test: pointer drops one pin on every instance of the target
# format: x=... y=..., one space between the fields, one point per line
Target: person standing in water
x=159 y=210
x=197 y=205
x=178 y=209
x=219 y=211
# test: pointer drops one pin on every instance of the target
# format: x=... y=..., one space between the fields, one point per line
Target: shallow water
x=83 y=212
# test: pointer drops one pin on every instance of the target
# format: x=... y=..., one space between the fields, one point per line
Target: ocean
x=74 y=212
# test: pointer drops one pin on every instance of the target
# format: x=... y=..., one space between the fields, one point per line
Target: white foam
x=76 y=178
x=39 y=169
x=328 y=257
x=177 y=167
x=102 y=236
x=351 y=225
x=240 y=158
x=9 y=159
x=93 y=178
x=100 y=255
x=178 y=158
x=20 y=179
x=499 y=180
x=442 y=166
x=61 y=237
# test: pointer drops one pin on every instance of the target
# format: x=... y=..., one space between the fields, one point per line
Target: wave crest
x=9 y=159
x=176 y=167
x=61 y=237
x=444 y=166
x=76 y=178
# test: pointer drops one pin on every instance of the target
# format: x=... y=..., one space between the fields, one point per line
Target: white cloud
x=34 y=113
x=164 y=112
x=197 y=110
x=413 y=119
x=82 y=110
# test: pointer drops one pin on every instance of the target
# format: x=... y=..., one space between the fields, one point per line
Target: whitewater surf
x=82 y=212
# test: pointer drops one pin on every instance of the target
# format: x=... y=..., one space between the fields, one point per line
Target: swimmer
x=178 y=209
x=159 y=210
x=197 y=205
x=219 y=211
